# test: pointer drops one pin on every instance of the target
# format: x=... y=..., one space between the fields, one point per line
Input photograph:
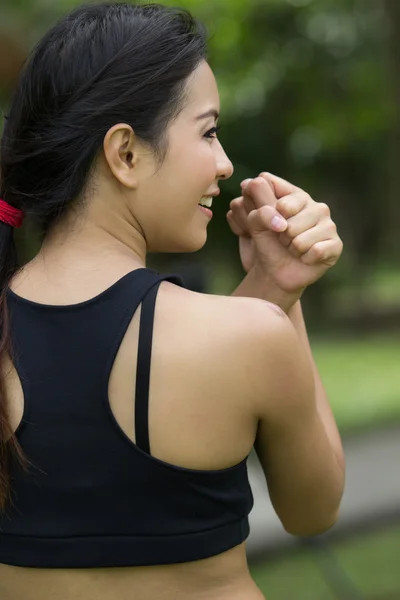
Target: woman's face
x=167 y=198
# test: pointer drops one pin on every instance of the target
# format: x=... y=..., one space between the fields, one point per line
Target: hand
x=292 y=254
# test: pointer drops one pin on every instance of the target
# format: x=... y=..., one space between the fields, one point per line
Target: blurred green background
x=310 y=91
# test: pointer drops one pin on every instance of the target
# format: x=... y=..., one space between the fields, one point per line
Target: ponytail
x=9 y=447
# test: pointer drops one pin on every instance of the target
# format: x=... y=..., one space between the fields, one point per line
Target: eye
x=212 y=133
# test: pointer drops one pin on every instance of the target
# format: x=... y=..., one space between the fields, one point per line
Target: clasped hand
x=283 y=233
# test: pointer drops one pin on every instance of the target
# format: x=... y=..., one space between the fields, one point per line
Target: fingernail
x=279 y=224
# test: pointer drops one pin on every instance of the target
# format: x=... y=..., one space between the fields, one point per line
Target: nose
x=224 y=166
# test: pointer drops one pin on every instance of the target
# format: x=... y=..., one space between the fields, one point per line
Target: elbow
x=309 y=527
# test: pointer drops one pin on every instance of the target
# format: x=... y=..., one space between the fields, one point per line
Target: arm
x=256 y=286
x=298 y=443
x=325 y=412
x=295 y=438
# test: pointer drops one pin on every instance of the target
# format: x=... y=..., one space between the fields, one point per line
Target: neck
x=113 y=240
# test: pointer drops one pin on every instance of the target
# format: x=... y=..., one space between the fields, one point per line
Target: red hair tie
x=10 y=215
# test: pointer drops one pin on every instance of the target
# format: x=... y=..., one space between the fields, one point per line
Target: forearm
x=295 y=314
x=256 y=285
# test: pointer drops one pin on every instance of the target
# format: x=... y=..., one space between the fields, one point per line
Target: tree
x=307 y=92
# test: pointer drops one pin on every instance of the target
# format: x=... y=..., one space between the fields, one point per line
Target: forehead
x=202 y=91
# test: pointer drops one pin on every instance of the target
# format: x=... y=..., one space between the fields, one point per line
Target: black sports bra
x=92 y=497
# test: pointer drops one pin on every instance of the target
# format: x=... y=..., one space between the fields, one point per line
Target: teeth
x=206 y=201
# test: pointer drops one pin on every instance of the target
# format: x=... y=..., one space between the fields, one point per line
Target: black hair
x=99 y=65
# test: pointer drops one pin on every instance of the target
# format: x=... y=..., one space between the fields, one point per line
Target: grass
x=368 y=569
x=381 y=289
x=361 y=378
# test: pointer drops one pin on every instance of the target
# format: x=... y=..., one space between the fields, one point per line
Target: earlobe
x=120 y=155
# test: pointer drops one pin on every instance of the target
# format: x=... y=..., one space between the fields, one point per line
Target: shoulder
x=245 y=338
x=222 y=315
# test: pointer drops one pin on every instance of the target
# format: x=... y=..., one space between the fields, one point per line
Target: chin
x=187 y=245
x=181 y=238
x=196 y=242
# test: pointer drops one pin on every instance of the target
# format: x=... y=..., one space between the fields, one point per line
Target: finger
x=233 y=224
x=327 y=252
x=293 y=204
x=240 y=211
x=261 y=192
x=285 y=240
x=303 y=242
x=245 y=182
x=265 y=219
x=248 y=203
x=302 y=222
x=281 y=186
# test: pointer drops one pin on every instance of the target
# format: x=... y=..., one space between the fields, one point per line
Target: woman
x=118 y=482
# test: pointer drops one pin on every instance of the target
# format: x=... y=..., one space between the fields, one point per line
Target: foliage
x=306 y=93
x=361 y=379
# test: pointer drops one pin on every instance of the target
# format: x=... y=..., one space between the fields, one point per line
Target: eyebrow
x=210 y=113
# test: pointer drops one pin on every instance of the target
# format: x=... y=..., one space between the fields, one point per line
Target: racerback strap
x=144 y=364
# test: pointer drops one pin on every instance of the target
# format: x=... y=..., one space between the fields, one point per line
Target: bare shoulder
x=245 y=336
x=222 y=316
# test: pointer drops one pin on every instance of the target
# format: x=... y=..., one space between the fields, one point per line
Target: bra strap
x=144 y=364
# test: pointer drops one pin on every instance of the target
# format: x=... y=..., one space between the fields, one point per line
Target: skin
x=219 y=364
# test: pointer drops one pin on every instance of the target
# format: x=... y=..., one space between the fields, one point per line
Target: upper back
x=194 y=377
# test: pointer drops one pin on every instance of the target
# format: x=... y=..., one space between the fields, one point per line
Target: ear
x=120 y=152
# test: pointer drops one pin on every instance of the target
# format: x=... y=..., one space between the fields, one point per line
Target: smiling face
x=166 y=201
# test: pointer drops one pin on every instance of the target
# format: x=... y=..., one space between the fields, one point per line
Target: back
x=192 y=426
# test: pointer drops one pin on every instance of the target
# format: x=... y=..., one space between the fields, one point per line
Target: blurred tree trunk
x=392 y=245
x=12 y=56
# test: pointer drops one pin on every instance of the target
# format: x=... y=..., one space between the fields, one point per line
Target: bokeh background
x=310 y=91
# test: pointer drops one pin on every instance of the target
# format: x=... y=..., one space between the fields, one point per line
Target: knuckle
x=302 y=198
x=294 y=203
x=235 y=203
x=283 y=205
x=338 y=247
x=251 y=188
x=324 y=208
x=299 y=245
x=319 y=252
x=290 y=230
x=267 y=211
x=259 y=182
x=332 y=228
x=308 y=198
x=252 y=216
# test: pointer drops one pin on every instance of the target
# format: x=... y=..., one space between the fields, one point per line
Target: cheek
x=196 y=162
x=210 y=163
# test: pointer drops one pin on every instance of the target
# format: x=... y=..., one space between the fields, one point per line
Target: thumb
x=264 y=219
